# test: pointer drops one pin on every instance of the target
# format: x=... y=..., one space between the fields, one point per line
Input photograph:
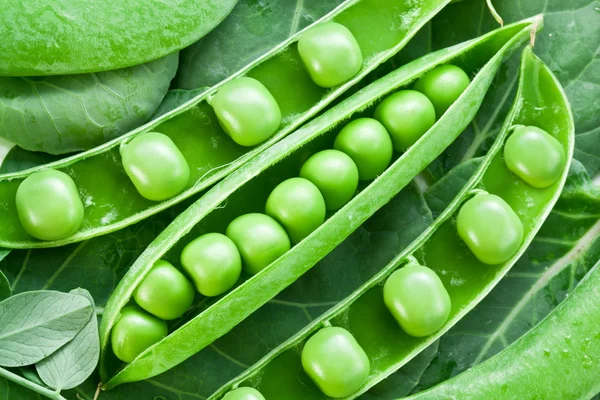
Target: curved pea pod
x=111 y=199
x=246 y=191
x=544 y=361
x=540 y=101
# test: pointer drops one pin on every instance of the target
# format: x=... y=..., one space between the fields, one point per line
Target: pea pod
x=565 y=345
x=540 y=101
x=246 y=190
x=110 y=198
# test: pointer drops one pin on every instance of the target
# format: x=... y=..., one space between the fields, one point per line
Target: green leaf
x=565 y=248
x=61 y=37
x=34 y=325
x=252 y=29
x=18 y=159
x=64 y=114
x=73 y=363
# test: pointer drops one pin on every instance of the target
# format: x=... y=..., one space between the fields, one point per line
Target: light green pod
x=335 y=362
x=247 y=111
x=417 y=299
x=330 y=53
x=155 y=165
x=49 y=206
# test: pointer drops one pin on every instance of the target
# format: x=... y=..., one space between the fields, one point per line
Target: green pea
x=134 y=332
x=260 y=240
x=490 y=228
x=368 y=144
x=49 y=206
x=213 y=262
x=534 y=156
x=417 y=299
x=330 y=53
x=443 y=85
x=164 y=292
x=244 y=393
x=335 y=174
x=407 y=115
x=247 y=111
x=155 y=165
x=335 y=362
x=298 y=205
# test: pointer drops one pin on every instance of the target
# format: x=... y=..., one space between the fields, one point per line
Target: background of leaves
x=566 y=247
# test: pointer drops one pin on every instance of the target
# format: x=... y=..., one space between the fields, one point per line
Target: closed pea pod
x=298 y=205
x=534 y=156
x=155 y=166
x=417 y=299
x=213 y=262
x=443 y=85
x=330 y=54
x=49 y=205
x=165 y=292
x=490 y=228
x=260 y=240
x=335 y=174
x=135 y=331
x=334 y=360
x=368 y=144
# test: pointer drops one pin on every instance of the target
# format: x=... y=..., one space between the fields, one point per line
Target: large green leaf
x=62 y=37
x=63 y=114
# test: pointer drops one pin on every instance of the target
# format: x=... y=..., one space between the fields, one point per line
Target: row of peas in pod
x=327 y=180
x=49 y=205
x=414 y=294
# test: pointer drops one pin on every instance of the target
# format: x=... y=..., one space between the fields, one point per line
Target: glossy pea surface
x=134 y=332
x=260 y=240
x=155 y=165
x=490 y=228
x=49 y=206
x=298 y=205
x=247 y=111
x=335 y=174
x=335 y=362
x=417 y=299
x=330 y=54
x=535 y=156
x=368 y=144
x=165 y=292
x=213 y=262
x=406 y=115
x=443 y=85
x=244 y=393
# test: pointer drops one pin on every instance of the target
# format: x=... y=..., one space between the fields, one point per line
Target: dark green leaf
x=175 y=98
x=18 y=159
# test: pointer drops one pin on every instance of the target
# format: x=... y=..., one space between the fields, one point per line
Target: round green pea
x=417 y=299
x=165 y=292
x=49 y=206
x=406 y=115
x=368 y=144
x=490 y=228
x=335 y=174
x=260 y=240
x=155 y=165
x=534 y=156
x=330 y=54
x=298 y=205
x=213 y=262
x=134 y=332
x=247 y=111
x=335 y=362
x=443 y=85
x=244 y=393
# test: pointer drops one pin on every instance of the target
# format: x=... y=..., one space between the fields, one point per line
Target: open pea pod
x=540 y=101
x=111 y=201
x=246 y=190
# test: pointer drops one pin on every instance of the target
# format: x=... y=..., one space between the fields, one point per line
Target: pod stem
x=534 y=28
x=494 y=13
x=411 y=260
x=18 y=379
x=477 y=192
